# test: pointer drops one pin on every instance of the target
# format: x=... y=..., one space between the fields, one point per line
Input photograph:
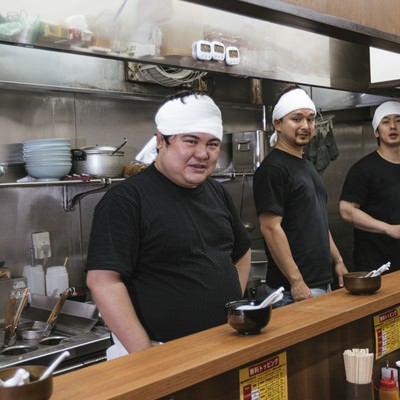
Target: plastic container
x=57 y=280
x=34 y=275
x=388 y=389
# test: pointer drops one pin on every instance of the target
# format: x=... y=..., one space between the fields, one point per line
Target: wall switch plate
x=41 y=245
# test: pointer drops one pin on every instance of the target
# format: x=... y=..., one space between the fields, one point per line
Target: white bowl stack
x=47 y=159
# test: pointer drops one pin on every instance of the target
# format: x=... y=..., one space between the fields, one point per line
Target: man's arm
x=340 y=267
x=243 y=266
x=112 y=299
x=275 y=237
x=351 y=213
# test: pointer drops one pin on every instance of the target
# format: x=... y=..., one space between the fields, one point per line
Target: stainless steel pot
x=98 y=161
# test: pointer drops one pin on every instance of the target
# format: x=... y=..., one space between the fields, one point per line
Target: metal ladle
x=120 y=146
x=48 y=371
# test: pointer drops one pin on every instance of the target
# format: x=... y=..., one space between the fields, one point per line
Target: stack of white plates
x=47 y=159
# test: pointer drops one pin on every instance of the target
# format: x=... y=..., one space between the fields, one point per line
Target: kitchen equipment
x=247 y=322
x=8 y=319
x=379 y=271
x=8 y=286
x=18 y=313
x=35 y=390
x=77 y=330
x=274 y=297
x=358 y=283
x=34 y=275
x=54 y=365
x=47 y=159
x=248 y=150
x=57 y=280
x=98 y=161
x=3 y=168
x=39 y=329
x=120 y=146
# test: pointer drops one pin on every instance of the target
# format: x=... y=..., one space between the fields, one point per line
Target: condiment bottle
x=388 y=389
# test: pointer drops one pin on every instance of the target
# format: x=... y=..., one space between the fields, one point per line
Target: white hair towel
x=387 y=108
x=290 y=101
x=190 y=114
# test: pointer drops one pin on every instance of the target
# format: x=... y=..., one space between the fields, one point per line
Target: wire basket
x=164 y=75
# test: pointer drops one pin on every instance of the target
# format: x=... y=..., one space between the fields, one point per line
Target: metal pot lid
x=101 y=150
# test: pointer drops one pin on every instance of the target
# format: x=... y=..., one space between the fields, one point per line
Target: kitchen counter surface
x=159 y=371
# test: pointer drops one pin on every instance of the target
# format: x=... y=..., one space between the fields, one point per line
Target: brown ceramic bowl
x=35 y=390
x=247 y=322
x=357 y=283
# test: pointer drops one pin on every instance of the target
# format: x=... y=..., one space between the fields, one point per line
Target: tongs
x=271 y=299
x=380 y=270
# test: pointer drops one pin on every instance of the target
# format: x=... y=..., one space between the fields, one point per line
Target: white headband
x=194 y=113
x=293 y=100
x=387 y=108
x=190 y=114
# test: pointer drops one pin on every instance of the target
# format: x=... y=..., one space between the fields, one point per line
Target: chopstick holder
x=358 y=365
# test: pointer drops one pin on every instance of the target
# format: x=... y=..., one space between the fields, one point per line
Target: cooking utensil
x=54 y=365
x=8 y=319
x=379 y=271
x=120 y=146
x=277 y=295
x=18 y=313
x=40 y=329
x=98 y=161
x=56 y=310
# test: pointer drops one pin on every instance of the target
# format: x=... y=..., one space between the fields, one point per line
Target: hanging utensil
x=8 y=319
x=51 y=321
x=18 y=313
x=42 y=329
x=120 y=146
x=54 y=365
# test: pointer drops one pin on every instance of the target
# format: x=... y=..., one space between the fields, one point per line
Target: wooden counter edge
x=159 y=371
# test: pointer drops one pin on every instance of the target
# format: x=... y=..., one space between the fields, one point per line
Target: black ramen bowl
x=247 y=322
x=357 y=283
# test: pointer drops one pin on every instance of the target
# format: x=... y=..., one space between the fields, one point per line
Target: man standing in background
x=370 y=198
x=291 y=201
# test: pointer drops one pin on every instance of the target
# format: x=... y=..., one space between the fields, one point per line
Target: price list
x=265 y=380
x=387 y=331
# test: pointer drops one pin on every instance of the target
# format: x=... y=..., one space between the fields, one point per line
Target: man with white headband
x=370 y=195
x=290 y=200
x=167 y=247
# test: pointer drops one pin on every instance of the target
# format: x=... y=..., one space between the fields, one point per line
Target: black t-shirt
x=175 y=249
x=374 y=184
x=291 y=187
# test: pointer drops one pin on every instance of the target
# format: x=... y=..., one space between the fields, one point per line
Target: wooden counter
x=205 y=365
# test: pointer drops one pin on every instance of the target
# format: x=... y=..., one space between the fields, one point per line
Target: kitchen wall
x=91 y=119
x=86 y=120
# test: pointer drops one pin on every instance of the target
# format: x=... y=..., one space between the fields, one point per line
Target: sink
x=17 y=350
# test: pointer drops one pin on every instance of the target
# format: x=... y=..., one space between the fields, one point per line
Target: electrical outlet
x=41 y=245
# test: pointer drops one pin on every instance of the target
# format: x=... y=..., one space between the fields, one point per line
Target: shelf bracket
x=73 y=193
